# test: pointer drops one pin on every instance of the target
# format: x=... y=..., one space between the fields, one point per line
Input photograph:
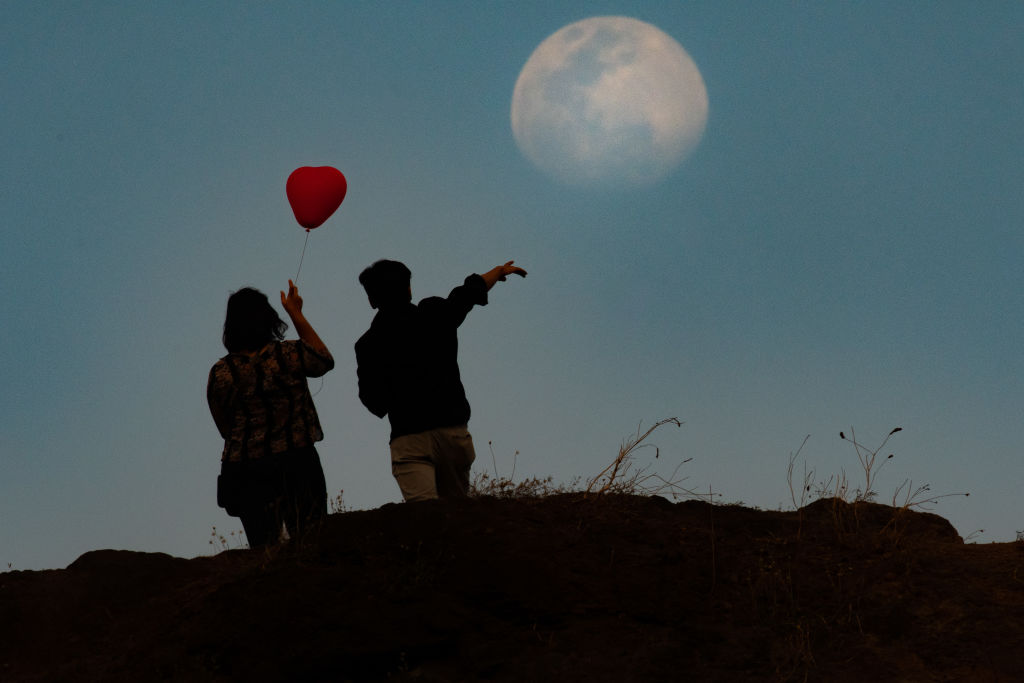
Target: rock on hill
x=564 y=588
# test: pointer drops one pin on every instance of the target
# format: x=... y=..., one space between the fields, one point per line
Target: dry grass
x=625 y=475
x=337 y=504
x=235 y=540
x=838 y=486
x=845 y=497
x=506 y=487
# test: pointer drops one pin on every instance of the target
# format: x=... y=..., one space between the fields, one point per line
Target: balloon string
x=296 y=282
x=301 y=258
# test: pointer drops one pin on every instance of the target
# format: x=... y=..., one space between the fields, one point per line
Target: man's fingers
x=509 y=268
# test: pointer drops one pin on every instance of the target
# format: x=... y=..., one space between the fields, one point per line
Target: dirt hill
x=618 y=588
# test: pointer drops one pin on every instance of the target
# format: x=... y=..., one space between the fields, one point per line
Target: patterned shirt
x=261 y=403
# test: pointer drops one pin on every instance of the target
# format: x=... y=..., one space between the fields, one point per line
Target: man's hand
x=509 y=269
x=499 y=273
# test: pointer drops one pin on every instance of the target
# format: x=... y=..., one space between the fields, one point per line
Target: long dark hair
x=251 y=322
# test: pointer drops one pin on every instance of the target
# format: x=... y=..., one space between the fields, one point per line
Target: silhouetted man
x=408 y=369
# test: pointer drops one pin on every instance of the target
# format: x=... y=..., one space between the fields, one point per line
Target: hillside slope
x=620 y=588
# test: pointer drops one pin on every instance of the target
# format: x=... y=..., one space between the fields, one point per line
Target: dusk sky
x=841 y=250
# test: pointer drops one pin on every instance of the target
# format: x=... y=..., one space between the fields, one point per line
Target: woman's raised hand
x=292 y=302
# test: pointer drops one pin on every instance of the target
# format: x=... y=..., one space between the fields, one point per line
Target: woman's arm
x=292 y=304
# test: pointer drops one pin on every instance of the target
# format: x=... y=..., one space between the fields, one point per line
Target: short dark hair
x=251 y=321
x=386 y=283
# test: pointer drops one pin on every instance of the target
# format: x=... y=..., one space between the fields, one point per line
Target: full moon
x=608 y=101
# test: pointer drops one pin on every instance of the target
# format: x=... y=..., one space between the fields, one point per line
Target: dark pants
x=286 y=489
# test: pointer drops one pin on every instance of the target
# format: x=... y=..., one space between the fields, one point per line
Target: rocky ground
x=561 y=588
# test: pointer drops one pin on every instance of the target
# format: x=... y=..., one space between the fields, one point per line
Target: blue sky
x=842 y=249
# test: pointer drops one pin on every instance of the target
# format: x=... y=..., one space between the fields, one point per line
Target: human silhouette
x=408 y=370
x=259 y=398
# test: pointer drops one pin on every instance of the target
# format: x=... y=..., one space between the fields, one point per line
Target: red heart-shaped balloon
x=315 y=192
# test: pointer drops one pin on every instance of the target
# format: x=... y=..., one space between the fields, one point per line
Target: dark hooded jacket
x=407 y=362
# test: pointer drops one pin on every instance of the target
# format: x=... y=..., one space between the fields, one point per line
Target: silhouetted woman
x=259 y=398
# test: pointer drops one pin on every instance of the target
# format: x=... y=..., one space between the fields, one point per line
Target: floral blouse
x=261 y=403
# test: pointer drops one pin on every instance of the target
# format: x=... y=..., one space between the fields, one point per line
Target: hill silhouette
x=559 y=588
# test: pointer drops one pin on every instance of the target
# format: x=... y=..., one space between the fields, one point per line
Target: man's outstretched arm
x=467 y=295
x=499 y=273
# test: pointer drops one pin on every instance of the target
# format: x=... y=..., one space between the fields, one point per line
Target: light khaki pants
x=433 y=464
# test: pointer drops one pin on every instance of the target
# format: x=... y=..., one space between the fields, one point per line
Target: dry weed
x=625 y=475
x=838 y=489
x=235 y=540
x=485 y=485
x=337 y=505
